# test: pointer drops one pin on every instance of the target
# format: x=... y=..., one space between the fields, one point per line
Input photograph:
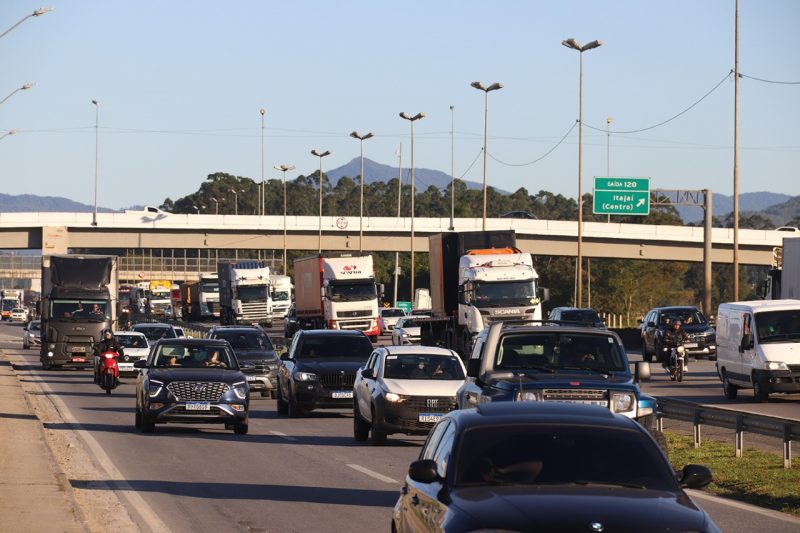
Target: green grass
x=757 y=478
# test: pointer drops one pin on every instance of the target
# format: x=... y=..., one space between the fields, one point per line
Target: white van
x=758 y=347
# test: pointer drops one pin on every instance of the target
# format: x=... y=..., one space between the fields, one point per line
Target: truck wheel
x=46 y=365
x=759 y=392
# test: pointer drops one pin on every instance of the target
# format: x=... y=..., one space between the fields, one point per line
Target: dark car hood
x=329 y=366
x=196 y=374
x=574 y=508
x=566 y=380
x=256 y=355
x=697 y=328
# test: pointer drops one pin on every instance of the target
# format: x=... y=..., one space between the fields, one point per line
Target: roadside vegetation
x=757 y=478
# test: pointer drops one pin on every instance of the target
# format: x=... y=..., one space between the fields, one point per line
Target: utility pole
x=399 y=197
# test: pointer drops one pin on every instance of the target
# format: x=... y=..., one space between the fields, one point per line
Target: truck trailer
x=783 y=279
x=200 y=299
x=79 y=301
x=244 y=293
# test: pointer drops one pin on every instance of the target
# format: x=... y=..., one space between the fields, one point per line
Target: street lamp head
x=95 y=102
x=262 y=111
x=27 y=86
x=41 y=11
x=355 y=135
x=477 y=85
x=608 y=120
x=405 y=115
x=452 y=107
x=593 y=44
x=323 y=154
x=494 y=87
x=409 y=117
x=572 y=43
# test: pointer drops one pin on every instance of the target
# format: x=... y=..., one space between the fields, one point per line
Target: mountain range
x=751 y=202
x=374 y=171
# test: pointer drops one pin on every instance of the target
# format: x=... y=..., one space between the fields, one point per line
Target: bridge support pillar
x=55 y=240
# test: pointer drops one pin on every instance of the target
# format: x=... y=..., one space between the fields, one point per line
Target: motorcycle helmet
x=106 y=332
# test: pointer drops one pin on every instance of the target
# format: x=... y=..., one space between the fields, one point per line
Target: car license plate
x=125 y=367
x=252 y=378
x=342 y=394
x=690 y=345
x=78 y=349
x=198 y=406
x=430 y=417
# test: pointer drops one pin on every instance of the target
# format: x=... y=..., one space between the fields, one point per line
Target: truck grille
x=794 y=368
x=567 y=395
x=420 y=404
x=197 y=390
x=353 y=314
x=337 y=380
x=254 y=311
x=357 y=325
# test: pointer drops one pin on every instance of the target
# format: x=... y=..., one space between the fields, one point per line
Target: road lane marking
x=744 y=506
x=283 y=435
x=373 y=474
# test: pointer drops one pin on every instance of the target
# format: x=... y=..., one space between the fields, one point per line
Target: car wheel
x=138 y=419
x=282 y=406
x=647 y=357
x=360 y=426
x=759 y=393
x=147 y=425
x=378 y=434
x=46 y=365
x=240 y=429
x=294 y=410
x=729 y=389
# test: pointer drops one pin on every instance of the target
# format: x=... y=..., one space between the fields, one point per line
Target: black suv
x=702 y=336
x=191 y=381
x=255 y=353
x=577 y=316
x=319 y=370
x=290 y=325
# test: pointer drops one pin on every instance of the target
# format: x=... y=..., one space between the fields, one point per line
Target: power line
x=769 y=81
x=550 y=151
x=727 y=76
x=471 y=164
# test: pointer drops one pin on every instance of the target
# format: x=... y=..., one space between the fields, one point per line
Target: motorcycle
x=108 y=374
x=677 y=363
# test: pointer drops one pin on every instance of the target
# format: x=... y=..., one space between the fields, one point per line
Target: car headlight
x=622 y=402
x=527 y=396
x=775 y=365
x=305 y=376
x=240 y=389
x=394 y=398
x=404 y=334
x=154 y=388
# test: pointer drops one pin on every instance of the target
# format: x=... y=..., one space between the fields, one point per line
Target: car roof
x=337 y=332
x=510 y=413
x=129 y=334
x=547 y=328
x=676 y=308
x=415 y=350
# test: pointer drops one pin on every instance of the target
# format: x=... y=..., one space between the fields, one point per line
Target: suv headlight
x=240 y=389
x=527 y=396
x=775 y=365
x=305 y=376
x=622 y=402
x=154 y=388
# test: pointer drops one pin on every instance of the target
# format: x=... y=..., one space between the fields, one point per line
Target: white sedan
x=135 y=347
x=407 y=331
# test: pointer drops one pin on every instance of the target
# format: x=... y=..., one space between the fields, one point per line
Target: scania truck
x=281 y=295
x=79 y=300
x=244 y=293
x=337 y=291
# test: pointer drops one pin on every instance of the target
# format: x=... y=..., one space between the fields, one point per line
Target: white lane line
x=283 y=435
x=744 y=506
x=371 y=473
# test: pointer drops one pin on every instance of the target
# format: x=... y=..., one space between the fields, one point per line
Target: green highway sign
x=405 y=306
x=621 y=196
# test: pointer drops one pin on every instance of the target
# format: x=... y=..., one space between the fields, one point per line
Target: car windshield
x=91 y=310
x=554 y=351
x=35 y=326
x=356 y=348
x=422 y=366
x=387 y=313
x=778 y=326
x=194 y=356
x=153 y=333
x=407 y=323
x=580 y=315
x=251 y=293
x=689 y=317
x=132 y=341
x=353 y=292
x=505 y=294
x=557 y=454
x=246 y=340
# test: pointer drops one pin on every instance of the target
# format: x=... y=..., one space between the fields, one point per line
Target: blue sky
x=181 y=82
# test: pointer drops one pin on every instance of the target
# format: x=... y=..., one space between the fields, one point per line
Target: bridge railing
x=741 y=423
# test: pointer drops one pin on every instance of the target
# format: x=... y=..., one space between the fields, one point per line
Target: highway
x=286 y=475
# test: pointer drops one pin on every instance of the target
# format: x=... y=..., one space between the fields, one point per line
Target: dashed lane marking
x=373 y=474
x=283 y=435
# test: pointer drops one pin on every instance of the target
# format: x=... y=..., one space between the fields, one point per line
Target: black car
x=290 y=324
x=546 y=467
x=255 y=353
x=702 y=336
x=319 y=370
x=577 y=316
x=194 y=381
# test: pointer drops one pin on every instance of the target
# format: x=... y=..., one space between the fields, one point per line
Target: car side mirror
x=695 y=476
x=641 y=371
x=545 y=294
x=473 y=368
x=368 y=373
x=423 y=471
x=141 y=363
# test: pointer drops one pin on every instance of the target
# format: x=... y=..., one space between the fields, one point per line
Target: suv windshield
x=505 y=294
x=92 y=310
x=245 y=340
x=392 y=313
x=153 y=333
x=407 y=323
x=560 y=455
x=777 y=326
x=422 y=366
x=194 y=356
x=132 y=341
x=689 y=317
x=324 y=346
x=554 y=351
x=353 y=292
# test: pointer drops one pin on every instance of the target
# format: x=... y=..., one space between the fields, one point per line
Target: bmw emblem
x=596 y=526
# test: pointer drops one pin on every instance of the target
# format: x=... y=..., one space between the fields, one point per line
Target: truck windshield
x=209 y=287
x=280 y=296
x=778 y=326
x=252 y=293
x=353 y=292
x=505 y=294
x=551 y=351
x=91 y=310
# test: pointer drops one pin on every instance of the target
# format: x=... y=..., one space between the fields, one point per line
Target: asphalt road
x=286 y=475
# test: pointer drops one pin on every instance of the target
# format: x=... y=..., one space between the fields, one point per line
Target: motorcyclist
x=674 y=337
x=108 y=343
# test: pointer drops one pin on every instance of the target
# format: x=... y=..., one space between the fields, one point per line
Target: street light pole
x=15 y=91
x=452 y=169
x=493 y=87
x=216 y=205
x=572 y=43
x=235 y=202
x=411 y=121
x=284 y=168
x=10 y=132
x=608 y=156
x=39 y=12
x=361 y=139
x=261 y=191
x=399 y=196
x=320 y=155
x=736 y=159
x=96 y=156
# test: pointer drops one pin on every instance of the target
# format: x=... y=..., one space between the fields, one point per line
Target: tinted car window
x=392 y=312
x=422 y=366
x=35 y=326
x=323 y=346
x=559 y=350
x=580 y=315
x=532 y=455
x=407 y=323
x=433 y=440
x=194 y=356
x=154 y=333
x=246 y=340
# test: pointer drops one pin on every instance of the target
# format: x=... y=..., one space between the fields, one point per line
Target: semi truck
x=281 y=294
x=337 y=291
x=477 y=278
x=783 y=279
x=159 y=299
x=244 y=293
x=79 y=300
x=200 y=299
x=9 y=299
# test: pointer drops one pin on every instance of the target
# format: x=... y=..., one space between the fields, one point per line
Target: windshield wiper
x=602 y=372
x=540 y=368
x=610 y=484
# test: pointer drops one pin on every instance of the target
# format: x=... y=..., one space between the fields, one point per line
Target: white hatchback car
x=19 y=314
x=407 y=331
x=134 y=346
x=405 y=389
x=389 y=318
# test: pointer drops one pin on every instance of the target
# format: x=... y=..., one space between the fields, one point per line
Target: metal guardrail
x=699 y=415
